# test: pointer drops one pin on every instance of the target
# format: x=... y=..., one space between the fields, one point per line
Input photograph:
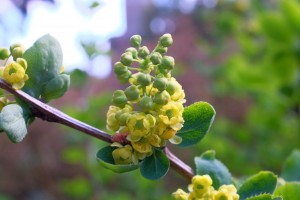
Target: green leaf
x=12 y=122
x=44 y=61
x=198 y=118
x=264 y=197
x=289 y=191
x=208 y=164
x=263 y=182
x=56 y=87
x=155 y=166
x=291 y=167
x=105 y=159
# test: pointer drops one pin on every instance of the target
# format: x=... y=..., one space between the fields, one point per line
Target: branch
x=50 y=114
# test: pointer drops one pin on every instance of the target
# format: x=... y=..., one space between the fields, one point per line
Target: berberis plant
x=144 y=118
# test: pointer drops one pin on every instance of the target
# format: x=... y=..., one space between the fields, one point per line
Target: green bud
x=119 y=98
x=166 y=40
x=119 y=68
x=4 y=53
x=22 y=62
x=161 y=50
x=146 y=103
x=161 y=98
x=171 y=87
x=133 y=52
x=143 y=79
x=123 y=118
x=123 y=78
x=126 y=59
x=15 y=45
x=168 y=62
x=132 y=93
x=17 y=52
x=136 y=41
x=156 y=58
x=160 y=83
x=143 y=52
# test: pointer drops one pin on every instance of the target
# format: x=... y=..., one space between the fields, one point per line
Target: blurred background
x=241 y=56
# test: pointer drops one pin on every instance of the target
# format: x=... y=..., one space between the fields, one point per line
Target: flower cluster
x=202 y=189
x=149 y=111
x=14 y=72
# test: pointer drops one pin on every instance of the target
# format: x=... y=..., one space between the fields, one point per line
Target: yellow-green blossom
x=140 y=125
x=177 y=93
x=202 y=189
x=180 y=195
x=3 y=102
x=111 y=122
x=171 y=115
x=226 y=192
x=14 y=73
x=123 y=155
x=201 y=185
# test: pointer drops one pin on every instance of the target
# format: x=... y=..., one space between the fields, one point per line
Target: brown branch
x=178 y=165
x=50 y=114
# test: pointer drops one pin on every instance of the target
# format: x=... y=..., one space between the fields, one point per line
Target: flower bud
x=156 y=58
x=123 y=155
x=146 y=103
x=133 y=52
x=171 y=87
x=123 y=78
x=168 y=62
x=132 y=93
x=126 y=59
x=4 y=53
x=119 y=98
x=17 y=52
x=143 y=52
x=136 y=41
x=119 y=68
x=22 y=62
x=123 y=118
x=143 y=79
x=160 y=83
x=161 y=98
x=166 y=40
x=161 y=50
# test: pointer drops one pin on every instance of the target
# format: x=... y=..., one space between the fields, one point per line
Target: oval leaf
x=44 y=61
x=56 y=87
x=291 y=167
x=208 y=164
x=288 y=191
x=263 y=182
x=155 y=166
x=264 y=197
x=198 y=118
x=12 y=122
x=105 y=159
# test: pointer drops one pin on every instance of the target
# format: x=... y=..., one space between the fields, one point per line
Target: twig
x=50 y=114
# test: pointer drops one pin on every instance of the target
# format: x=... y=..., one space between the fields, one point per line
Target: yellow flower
x=111 y=121
x=140 y=125
x=177 y=91
x=201 y=185
x=123 y=155
x=226 y=192
x=180 y=195
x=14 y=73
x=164 y=131
x=171 y=115
x=3 y=102
x=142 y=146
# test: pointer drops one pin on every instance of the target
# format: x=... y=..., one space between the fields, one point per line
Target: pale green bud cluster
x=201 y=188
x=149 y=111
x=14 y=72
